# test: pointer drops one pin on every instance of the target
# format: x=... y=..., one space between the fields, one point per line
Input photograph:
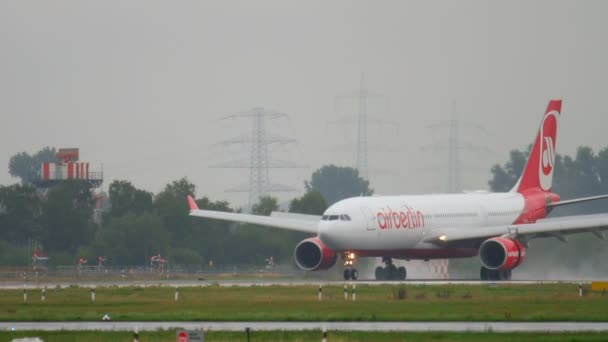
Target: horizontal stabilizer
x=576 y=200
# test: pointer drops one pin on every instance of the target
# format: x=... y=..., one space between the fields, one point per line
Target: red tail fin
x=538 y=172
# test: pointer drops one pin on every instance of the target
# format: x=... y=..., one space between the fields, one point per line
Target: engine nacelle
x=501 y=253
x=311 y=254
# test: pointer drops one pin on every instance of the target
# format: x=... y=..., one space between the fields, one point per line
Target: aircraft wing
x=551 y=227
x=301 y=225
x=303 y=217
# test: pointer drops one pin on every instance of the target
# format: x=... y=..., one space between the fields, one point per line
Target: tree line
x=137 y=224
x=585 y=174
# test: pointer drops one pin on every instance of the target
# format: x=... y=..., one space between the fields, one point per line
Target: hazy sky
x=139 y=86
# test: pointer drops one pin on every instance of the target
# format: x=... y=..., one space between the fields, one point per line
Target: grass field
x=169 y=336
x=551 y=302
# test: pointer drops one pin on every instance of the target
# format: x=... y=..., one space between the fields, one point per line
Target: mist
x=140 y=87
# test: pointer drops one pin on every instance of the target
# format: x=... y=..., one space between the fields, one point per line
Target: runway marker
x=345 y=292
x=320 y=293
x=24 y=295
x=93 y=295
x=176 y=293
x=44 y=294
x=354 y=293
x=324 y=335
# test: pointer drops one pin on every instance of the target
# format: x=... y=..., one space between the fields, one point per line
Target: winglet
x=192 y=203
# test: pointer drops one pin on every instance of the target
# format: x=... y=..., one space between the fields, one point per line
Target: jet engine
x=311 y=254
x=501 y=253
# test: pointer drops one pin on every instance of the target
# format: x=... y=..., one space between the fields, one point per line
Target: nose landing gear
x=350 y=272
x=390 y=271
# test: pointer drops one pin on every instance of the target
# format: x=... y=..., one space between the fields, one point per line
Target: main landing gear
x=487 y=274
x=350 y=272
x=390 y=271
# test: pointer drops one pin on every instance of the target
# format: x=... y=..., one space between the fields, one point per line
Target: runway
x=266 y=282
x=554 y=327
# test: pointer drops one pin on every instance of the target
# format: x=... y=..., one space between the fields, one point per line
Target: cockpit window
x=342 y=217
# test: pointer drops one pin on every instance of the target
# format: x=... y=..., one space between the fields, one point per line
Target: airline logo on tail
x=538 y=172
x=548 y=135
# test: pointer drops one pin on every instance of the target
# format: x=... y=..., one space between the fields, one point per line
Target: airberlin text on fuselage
x=405 y=218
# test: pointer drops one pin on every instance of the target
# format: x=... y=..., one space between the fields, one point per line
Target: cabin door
x=370 y=218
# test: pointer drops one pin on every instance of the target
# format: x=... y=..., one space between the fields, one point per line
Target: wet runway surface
x=265 y=282
x=332 y=326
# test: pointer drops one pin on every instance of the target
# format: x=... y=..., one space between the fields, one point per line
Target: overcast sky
x=140 y=86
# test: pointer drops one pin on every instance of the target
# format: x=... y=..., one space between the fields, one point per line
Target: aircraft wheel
x=392 y=273
x=484 y=273
x=504 y=275
x=401 y=273
x=496 y=275
x=354 y=274
x=347 y=274
x=380 y=274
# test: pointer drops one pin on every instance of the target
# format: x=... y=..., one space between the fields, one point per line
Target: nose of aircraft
x=329 y=233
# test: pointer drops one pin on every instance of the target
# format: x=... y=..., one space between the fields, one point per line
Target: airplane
x=496 y=227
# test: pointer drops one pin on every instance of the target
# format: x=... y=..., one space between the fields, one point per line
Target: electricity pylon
x=259 y=162
x=362 y=120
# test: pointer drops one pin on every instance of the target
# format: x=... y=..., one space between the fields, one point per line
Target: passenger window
x=333 y=217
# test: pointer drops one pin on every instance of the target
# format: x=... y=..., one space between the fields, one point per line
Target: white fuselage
x=393 y=223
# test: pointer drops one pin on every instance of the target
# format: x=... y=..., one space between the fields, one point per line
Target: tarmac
x=554 y=327
x=262 y=282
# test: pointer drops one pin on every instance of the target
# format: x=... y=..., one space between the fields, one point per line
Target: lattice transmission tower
x=362 y=119
x=454 y=146
x=260 y=162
